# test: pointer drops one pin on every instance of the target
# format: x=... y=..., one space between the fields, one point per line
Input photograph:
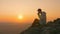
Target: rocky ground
x=49 y=28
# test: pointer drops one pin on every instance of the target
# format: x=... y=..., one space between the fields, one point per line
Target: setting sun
x=20 y=17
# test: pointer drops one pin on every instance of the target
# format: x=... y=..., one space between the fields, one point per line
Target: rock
x=49 y=28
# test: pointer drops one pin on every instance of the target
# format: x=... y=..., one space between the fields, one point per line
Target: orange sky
x=10 y=9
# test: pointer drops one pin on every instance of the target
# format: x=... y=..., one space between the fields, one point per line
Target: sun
x=20 y=16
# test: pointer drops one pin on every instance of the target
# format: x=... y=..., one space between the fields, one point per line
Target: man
x=42 y=17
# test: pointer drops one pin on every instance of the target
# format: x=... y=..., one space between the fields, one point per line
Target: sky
x=11 y=9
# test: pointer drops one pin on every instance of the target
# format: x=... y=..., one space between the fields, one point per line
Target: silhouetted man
x=42 y=17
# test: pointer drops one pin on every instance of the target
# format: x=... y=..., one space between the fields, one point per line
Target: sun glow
x=20 y=16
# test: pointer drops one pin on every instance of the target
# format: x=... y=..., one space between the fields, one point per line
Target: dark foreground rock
x=49 y=28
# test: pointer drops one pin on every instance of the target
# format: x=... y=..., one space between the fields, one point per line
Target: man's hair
x=39 y=10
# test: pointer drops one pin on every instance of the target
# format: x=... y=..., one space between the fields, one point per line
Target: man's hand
x=38 y=13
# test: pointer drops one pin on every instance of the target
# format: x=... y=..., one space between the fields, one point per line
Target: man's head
x=39 y=10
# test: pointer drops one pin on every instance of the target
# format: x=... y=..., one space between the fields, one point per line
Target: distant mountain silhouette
x=49 y=28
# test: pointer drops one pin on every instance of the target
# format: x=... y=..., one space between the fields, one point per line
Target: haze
x=10 y=9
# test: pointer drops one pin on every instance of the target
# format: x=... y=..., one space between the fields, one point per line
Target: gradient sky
x=10 y=9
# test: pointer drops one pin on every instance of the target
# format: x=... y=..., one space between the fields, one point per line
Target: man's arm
x=39 y=15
